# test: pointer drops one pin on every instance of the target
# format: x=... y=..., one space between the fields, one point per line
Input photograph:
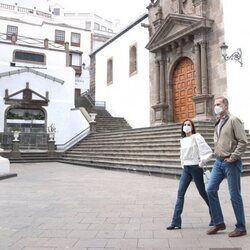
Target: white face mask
x=187 y=129
x=218 y=110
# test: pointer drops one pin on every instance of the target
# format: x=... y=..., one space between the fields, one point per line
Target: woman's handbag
x=206 y=175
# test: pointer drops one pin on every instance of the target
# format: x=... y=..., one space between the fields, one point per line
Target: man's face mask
x=218 y=110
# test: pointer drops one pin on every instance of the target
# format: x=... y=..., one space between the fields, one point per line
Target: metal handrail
x=67 y=145
x=94 y=103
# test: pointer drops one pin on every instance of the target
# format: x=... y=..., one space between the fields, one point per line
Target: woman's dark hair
x=183 y=134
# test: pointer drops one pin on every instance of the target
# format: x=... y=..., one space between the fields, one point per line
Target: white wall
x=47 y=30
x=53 y=58
x=237 y=35
x=127 y=97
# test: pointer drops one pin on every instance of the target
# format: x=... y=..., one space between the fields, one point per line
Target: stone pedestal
x=92 y=125
x=204 y=107
x=160 y=113
x=51 y=148
x=15 y=149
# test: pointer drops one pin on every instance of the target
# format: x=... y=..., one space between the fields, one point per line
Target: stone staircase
x=33 y=156
x=104 y=121
x=153 y=150
x=108 y=123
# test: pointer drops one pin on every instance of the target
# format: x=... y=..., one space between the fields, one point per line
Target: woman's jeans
x=189 y=173
x=232 y=171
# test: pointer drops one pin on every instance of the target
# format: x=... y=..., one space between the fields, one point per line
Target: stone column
x=198 y=69
x=157 y=82
x=160 y=108
x=162 y=82
x=203 y=100
x=204 y=79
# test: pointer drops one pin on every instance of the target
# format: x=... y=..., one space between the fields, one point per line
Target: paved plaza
x=52 y=206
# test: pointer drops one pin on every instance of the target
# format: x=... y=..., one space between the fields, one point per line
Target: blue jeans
x=232 y=171
x=189 y=173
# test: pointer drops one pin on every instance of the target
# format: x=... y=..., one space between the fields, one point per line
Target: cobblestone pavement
x=52 y=206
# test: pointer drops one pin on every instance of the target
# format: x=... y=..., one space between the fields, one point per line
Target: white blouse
x=195 y=150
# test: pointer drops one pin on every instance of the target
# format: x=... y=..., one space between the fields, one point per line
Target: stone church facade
x=186 y=67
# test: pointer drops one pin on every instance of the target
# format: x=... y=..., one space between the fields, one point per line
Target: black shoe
x=172 y=227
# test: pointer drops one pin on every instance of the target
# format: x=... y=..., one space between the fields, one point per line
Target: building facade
x=187 y=69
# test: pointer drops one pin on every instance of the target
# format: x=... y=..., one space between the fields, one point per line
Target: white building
x=101 y=28
x=40 y=74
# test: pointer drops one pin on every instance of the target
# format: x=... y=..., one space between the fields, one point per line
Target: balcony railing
x=25 y=10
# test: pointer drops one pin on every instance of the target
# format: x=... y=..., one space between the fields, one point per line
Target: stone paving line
x=52 y=206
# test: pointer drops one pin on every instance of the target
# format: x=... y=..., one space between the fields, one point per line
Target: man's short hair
x=224 y=100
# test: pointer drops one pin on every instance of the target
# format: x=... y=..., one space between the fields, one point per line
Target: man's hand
x=228 y=159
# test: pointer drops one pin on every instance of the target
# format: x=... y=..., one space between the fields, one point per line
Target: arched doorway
x=183 y=90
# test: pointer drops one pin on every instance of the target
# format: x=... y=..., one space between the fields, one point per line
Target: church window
x=11 y=30
x=110 y=71
x=132 y=60
x=59 y=36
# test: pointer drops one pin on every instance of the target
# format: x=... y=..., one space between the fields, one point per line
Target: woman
x=194 y=154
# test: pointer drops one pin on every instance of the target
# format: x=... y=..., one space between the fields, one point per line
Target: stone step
x=154 y=150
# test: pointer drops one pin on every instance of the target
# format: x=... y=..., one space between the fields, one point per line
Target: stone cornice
x=176 y=27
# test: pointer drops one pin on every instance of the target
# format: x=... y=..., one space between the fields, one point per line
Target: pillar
x=198 y=69
x=204 y=80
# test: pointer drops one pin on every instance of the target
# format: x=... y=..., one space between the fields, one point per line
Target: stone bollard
x=15 y=149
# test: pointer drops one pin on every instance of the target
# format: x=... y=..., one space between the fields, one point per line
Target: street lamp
x=236 y=56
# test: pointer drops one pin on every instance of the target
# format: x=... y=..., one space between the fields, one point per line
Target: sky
x=125 y=10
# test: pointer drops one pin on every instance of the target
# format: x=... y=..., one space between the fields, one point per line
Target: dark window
x=59 y=36
x=88 y=25
x=56 y=11
x=11 y=30
x=132 y=60
x=29 y=57
x=96 y=26
x=110 y=71
x=75 y=39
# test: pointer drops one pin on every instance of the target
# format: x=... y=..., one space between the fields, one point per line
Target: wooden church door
x=183 y=90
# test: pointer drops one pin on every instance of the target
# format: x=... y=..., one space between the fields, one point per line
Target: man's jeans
x=232 y=171
x=189 y=172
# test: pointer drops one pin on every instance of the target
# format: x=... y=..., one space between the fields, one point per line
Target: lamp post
x=236 y=56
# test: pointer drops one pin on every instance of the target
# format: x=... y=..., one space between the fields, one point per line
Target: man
x=230 y=143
